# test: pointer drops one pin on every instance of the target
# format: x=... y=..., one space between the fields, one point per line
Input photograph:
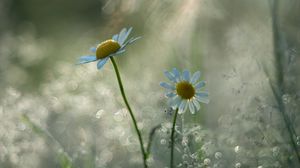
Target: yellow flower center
x=106 y=48
x=185 y=90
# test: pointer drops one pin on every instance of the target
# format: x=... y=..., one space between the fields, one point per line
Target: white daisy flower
x=184 y=91
x=109 y=48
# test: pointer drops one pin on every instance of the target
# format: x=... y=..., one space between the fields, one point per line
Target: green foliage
x=36 y=129
x=64 y=159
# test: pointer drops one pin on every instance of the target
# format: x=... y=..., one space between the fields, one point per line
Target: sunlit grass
x=56 y=114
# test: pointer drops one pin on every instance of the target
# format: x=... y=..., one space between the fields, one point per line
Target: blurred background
x=56 y=114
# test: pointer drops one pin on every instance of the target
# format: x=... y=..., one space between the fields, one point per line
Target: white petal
x=170 y=94
x=170 y=76
x=167 y=86
x=196 y=104
x=132 y=40
x=122 y=35
x=191 y=107
x=202 y=94
x=102 y=62
x=119 y=52
x=176 y=74
x=200 y=84
x=86 y=59
x=185 y=108
x=202 y=97
x=129 y=42
x=195 y=77
x=186 y=75
x=93 y=49
x=174 y=102
x=182 y=107
x=203 y=100
x=115 y=37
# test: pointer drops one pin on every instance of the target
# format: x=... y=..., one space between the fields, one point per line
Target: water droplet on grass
x=185 y=157
x=276 y=151
x=286 y=98
x=238 y=165
x=163 y=141
x=184 y=141
x=298 y=140
x=120 y=115
x=218 y=155
x=21 y=126
x=237 y=149
x=194 y=156
x=99 y=114
x=206 y=161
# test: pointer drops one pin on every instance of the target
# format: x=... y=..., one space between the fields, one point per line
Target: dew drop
x=200 y=165
x=194 y=156
x=277 y=165
x=276 y=151
x=185 y=157
x=206 y=161
x=237 y=149
x=54 y=101
x=198 y=139
x=169 y=125
x=184 y=141
x=286 y=98
x=21 y=126
x=185 y=150
x=179 y=165
x=13 y=92
x=105 y=156
x=163 y=141
x=218 y=155
x=140 y=125
x=99 y=113
x=119 y=115
x=83 y=152
x=196 y=133
x=163 y=129
x=298 y=140
x=238 y=165
x=185 y=163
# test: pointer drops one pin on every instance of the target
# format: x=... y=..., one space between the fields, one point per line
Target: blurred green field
x=54 y=113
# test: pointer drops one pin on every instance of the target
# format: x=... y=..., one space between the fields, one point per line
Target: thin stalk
x=130 y=112
x=280 y=76
x=46 y=134
x=172 y=139
x=151 y=136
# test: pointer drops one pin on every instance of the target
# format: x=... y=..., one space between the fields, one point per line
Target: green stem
x=130 y=112
x=280 y=75
x=151 y=136
x=172 y=138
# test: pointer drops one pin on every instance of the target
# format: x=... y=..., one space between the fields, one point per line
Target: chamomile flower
x=184 y=91
x=109 y=48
